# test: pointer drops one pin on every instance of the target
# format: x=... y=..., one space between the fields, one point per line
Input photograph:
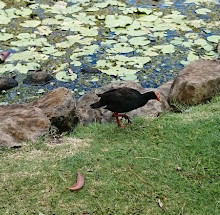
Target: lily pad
x=2 y=4
x=120 y=48
x=63 y=76
x=30 y=23
x=192 y=57
x=21 y=68
x=213 y=38
x=24 y=12
x=203 y=11
x=5 y=36
x=166 y=49
x=112 y=21
x=44 y=30
x=139 y=41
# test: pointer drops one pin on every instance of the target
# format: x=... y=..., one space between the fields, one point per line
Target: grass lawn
x=168 y=165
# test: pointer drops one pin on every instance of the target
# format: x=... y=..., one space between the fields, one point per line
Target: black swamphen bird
x=123 y=100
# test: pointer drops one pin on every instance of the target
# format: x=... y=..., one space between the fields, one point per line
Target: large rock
x=21 y=122
x=164 y=89
x=59 y=106
x=30 y=121
x=197 y=82
x=87 y=114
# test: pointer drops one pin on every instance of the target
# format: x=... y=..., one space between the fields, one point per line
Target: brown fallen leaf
x=79 y=183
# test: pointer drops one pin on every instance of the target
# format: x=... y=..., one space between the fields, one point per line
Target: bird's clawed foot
x=116 y=115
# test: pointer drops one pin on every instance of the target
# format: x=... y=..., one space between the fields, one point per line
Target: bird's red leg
x=117 y=119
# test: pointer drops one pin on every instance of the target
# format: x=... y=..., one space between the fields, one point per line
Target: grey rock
x=38 y=78
x=7 y=83
x=197 y=82
x=30 y=121
x=21 y=122
x=59 y=106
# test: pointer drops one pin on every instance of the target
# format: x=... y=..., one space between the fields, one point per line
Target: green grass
x=168 y=165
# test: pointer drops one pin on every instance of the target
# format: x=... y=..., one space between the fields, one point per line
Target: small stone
x=38 y=78
x=7 y=83
x=179 y=168
x=90 y=70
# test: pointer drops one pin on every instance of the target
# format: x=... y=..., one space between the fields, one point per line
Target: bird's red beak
x=158 y=98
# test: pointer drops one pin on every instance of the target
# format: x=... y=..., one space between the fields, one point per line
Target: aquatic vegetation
x=125 y=40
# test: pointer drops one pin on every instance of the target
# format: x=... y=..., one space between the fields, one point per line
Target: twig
x=141 y=179
x=148 y=158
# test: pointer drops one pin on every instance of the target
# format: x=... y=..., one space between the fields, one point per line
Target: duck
x=122 y=100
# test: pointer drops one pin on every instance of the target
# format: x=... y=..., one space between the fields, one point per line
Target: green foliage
x=168 y=165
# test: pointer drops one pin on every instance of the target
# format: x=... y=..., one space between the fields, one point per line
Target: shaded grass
x=168 y=165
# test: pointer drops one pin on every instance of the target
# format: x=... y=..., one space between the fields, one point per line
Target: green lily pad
x=112 y=21
x=102 y=4
x=144 y=10
x=188 y=43
x=208 y=47
x=129 y=77
x=23 y=12
x=2 y=4
x=203 y=11
x=166 y=49
x=40 y=91
x=150 y=52
x=148 y=18
x=30 y=23
x=192 y=57
x=139 y=41
x=103 y=64
x=4 y=19
x=200 y=42
x=89 y=31
x=44 y=30
x=120 y=48
x=27 y=55
x=213 y=38
x=118 y=71
x=21 y=68
x=77 y=63
x=136 y=33
x=63 y=76
x=5 y=36
x=50 y=21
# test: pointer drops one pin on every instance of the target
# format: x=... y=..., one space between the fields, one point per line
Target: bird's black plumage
x=123 y=99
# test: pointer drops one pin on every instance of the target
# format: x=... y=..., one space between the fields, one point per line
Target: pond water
x=144 y=41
